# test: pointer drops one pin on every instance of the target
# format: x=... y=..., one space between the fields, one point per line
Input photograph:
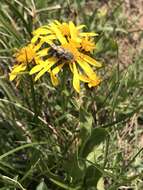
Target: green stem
x=33 y=97
x=106 y=151
x=33 y=94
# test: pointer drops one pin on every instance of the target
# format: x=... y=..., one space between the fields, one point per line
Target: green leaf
x=91 y=177
x=20 y=148
x=75 y=168
x=105 y=45
x=19 y=15
x=62 y=185
x=97 y=136
x=42 y=186
x=9 y=28
x=100 y=184
x=12 y=182
x=86 y=121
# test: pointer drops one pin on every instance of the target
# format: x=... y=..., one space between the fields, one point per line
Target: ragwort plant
x=59 y=119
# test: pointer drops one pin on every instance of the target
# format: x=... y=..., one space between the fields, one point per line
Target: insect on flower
x=60 y=52
x=55 y=45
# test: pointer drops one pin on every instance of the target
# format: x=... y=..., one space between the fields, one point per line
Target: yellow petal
x=38 y=60
x=87 y=69
x=60 y=37
x=88 y=34
x=93 y=83
x=73 y=30
x=57 y=22
x=76 y=82
x=38 y=46
x=43 y=52
x=41 y=31
x=71 y=67
x=12 y=76
x=34 y=39
x=36 y=69
x=47 y=38
x=80 y=26
x=57 y=69
x=83 y=78
x=54 y=79
x=16 y=70
x=44 y=70
x=42 y=64
x=90 y=60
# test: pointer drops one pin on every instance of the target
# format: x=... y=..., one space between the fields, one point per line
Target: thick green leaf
x=75 y=168
x=91 y=177
x=42 y=186
x=86 y=121
x=97 y=136
x=100 y=184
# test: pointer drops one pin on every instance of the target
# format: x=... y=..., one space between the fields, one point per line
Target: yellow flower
x=64 y=28
x=51 y=31
x=23 y=57
x=63 y=44
x=87 y=44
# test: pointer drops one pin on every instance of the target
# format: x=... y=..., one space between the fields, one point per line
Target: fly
x=60 y=52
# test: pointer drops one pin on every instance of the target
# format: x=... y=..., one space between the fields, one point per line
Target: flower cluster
x=54 y=46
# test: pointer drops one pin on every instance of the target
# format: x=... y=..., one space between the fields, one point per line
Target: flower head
x=64 y=44
x=87 y=44
x=26 y=54
x=23 y=57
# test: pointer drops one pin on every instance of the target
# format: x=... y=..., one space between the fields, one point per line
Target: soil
x=132 y=44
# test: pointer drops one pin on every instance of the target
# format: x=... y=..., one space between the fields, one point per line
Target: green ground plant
x=54 y=138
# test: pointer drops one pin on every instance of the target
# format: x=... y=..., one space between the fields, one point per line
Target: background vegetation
x=52 y=139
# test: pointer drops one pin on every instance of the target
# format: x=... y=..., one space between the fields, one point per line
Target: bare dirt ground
x=132 y=45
